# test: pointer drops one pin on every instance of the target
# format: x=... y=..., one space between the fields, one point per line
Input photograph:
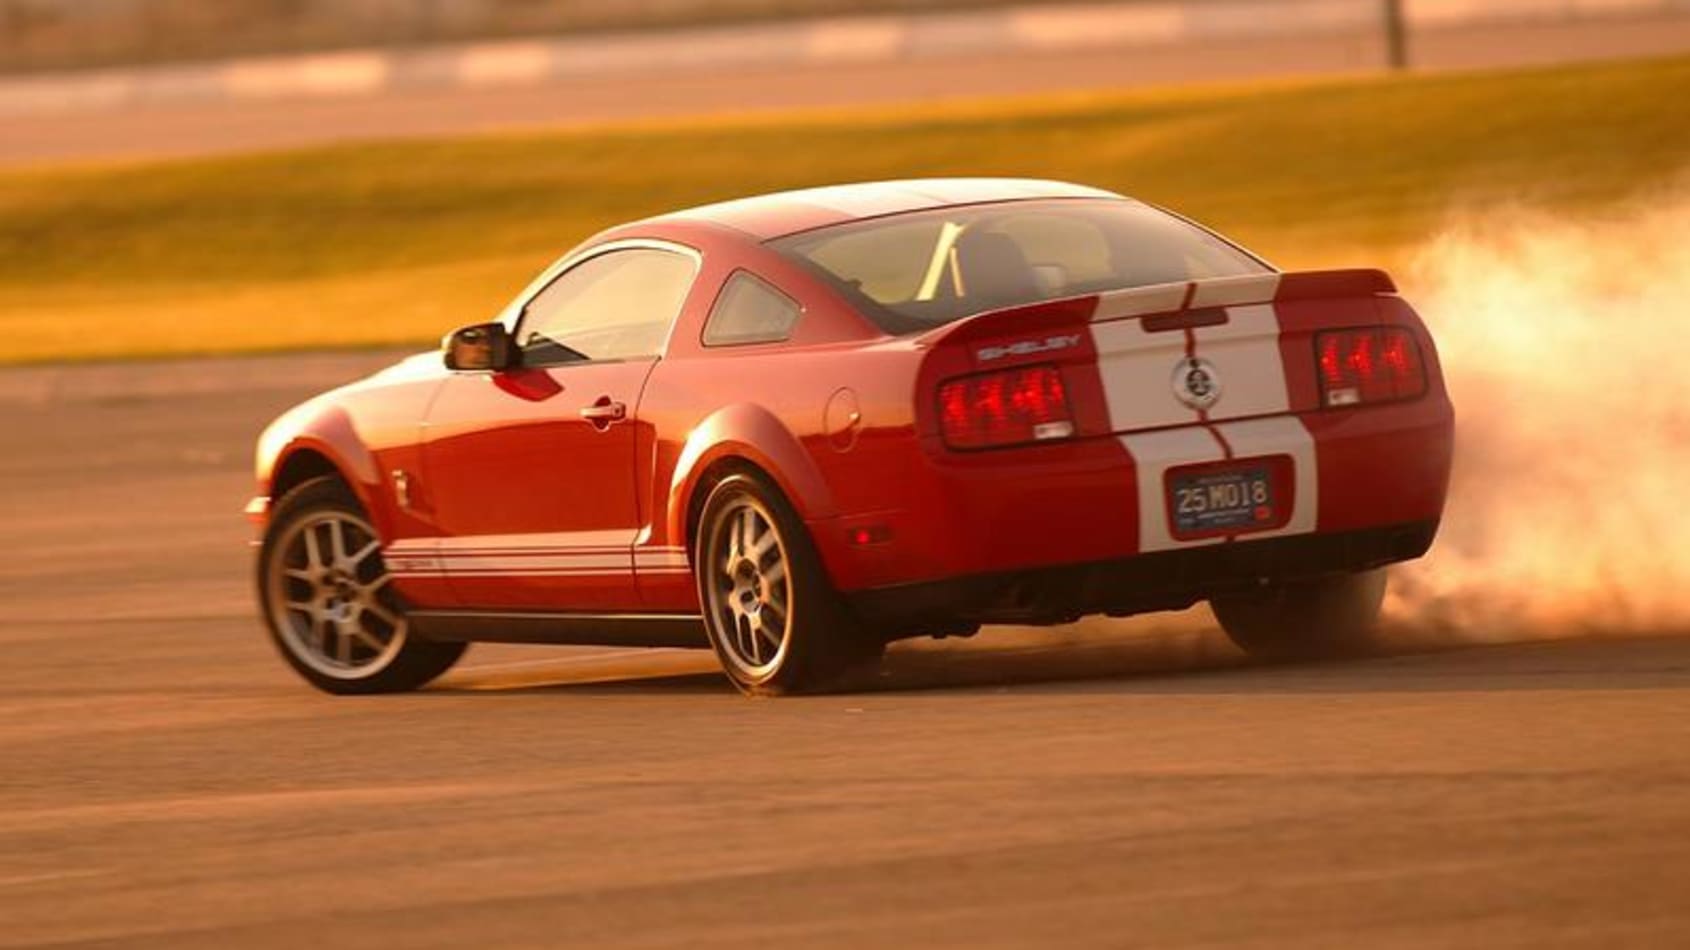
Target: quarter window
x=748 y=310
x=615 y=306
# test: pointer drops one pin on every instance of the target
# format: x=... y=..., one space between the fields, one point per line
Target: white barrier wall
x=855 y=39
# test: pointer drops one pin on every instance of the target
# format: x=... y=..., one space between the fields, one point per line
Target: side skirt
x=610 y=630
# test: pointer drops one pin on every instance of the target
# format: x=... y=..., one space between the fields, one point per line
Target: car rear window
x=910 y=272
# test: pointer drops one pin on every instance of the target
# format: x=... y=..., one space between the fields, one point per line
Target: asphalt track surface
x=186 y=130
x=164 y=781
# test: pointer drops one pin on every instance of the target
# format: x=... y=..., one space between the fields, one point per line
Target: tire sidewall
x=821 y=632
x=1334 y=617
x=411 y=665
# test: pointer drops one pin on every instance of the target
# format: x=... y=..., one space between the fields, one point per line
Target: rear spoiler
x=1168 y=300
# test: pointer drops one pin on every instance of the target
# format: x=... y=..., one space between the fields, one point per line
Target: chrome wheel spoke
x=337 y=541
x=761 y=542
x=747 y=641
x=313 y=552
x=386 y=616
x=748 y=532
x=736 y=549
x=367 y=638
x=363 y=553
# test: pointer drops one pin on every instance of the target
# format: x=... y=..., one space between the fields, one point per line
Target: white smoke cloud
x=1566 y=344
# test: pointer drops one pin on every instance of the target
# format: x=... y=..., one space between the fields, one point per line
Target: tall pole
x=1396 y=35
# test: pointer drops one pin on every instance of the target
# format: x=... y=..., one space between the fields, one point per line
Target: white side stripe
x=584 y=553
x=613 y=539
x=661 y=557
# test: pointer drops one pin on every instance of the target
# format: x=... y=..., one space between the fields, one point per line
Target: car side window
x=615 y=306
x=749 y=310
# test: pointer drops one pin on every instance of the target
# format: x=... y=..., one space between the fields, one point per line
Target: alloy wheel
x=748 y=588
x=331 y=596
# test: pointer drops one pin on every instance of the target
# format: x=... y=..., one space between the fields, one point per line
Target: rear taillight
x=1365 y=366
x=1011 y=407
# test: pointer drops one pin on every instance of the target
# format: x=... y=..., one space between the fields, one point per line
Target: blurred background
x=78 y=33
x=71 y=34
x=213 y=209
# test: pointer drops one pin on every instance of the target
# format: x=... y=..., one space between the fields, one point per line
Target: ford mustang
x=796 y=427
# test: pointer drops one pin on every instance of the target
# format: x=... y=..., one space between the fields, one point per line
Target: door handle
x=604 y=412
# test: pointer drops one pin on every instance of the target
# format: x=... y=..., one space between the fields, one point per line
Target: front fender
x=755 y=435
x=324 y=429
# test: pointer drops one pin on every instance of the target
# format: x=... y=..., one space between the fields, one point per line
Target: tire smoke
x=1566 y=347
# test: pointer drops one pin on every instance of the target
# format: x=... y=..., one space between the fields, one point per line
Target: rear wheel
x=330 y=603
x=1328 y=617
x=773 y=619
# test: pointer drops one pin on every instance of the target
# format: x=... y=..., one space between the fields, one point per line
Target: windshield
x=911 y=272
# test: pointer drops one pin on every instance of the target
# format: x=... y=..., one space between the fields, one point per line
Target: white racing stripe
x=1137 y=371
x=1233 y=291
x=1282 y=435
x=1153 y=454
x=1245 y=354
x=1139 y=301
x=1136 y=368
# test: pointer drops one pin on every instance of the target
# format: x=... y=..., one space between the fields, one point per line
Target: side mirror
x=484 y=346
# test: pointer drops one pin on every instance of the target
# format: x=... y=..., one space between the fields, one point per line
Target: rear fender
x=757 y=436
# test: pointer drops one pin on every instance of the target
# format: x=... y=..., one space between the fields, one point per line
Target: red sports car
x=796 y=427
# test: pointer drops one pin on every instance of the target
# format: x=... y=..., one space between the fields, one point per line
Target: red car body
x=575 y=489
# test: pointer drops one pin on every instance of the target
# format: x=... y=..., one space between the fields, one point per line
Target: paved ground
x=192 y=130
x=164 y=782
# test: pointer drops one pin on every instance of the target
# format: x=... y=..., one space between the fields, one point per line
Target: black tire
x=1329 y=617
x=339 y=625
x=776 y=630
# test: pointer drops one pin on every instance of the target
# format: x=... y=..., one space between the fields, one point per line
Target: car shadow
x=1423 y=663
x=1190 y=660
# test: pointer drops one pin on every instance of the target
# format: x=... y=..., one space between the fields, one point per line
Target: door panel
x=531 y=477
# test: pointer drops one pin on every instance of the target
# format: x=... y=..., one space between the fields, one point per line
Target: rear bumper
x=1165 y=580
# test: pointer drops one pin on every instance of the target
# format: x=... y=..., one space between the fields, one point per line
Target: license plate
x=1222 y=501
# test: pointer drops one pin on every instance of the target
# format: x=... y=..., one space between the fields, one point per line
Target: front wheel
x=774 y=621
x=330 y=603
x=1328 y=617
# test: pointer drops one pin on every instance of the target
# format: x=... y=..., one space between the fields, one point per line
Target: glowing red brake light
x=1366 y=366
x=1012 y=407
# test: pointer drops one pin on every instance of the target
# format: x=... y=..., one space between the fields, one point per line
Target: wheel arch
x=749 y=439
x=327 y=446
x=300 y=466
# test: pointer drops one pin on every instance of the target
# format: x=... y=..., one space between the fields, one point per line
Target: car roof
x=775 y=215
